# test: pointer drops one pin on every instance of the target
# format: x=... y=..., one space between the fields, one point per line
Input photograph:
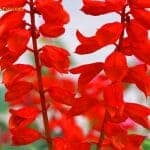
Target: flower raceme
x=99 y=93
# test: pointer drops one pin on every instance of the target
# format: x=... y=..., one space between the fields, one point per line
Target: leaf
x=146 y=144
x=3 y=105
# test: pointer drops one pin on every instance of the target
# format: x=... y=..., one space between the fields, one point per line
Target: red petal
x=22 y=117
x=87 y=73
x=138 y=113
x=135 y=30
x=9 y=18
x=98 y=8
x=58 y=15
x=140 y=3
x=135 y=74
x=109 y=33
x=51 y=31
x=55 y=57
x=96 y=116
x=63 y=144
x=115 y=66
x=94 y=7
x=88 y=44
x=61 y=95
x=25 y=136
x=8 y=59
x=18 y=90
x=81 y=105
x=113 y=95
x=142 y=16
x=134 y=141
x=16 y=72
x=17 y=41
x=12 y=3
x=114 y=129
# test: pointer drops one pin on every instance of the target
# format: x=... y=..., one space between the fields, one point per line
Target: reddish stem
x=39 y=75
x=102 y=135
x=123 y=20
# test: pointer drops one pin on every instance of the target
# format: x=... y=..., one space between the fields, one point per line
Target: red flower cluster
x=99 y=96
x=130 y=37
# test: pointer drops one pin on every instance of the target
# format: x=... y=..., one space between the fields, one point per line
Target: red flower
x=117 y=138
x=142 y=16
x=63 y=144
x=16 y=73
x=115 y=66
x=139 y=3
x=23 y=136
x=17 y=91
x=51 y=31
x=7 y=22
x=94 y=7
x=17 y=41
x=107 y=34
x=12 y=3
x=20 y=118
x=135 y=74
x=87 y=73
x=88 y=44
x=56 y=57
x=140 y=114
x=55 y=20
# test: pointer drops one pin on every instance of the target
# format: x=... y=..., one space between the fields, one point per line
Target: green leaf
x=146 y=144
x=3 y=126
x=39 y=145
x=3 y=104
x=93 y=147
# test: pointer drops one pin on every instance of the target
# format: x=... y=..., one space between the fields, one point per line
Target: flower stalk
x=39 y=75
